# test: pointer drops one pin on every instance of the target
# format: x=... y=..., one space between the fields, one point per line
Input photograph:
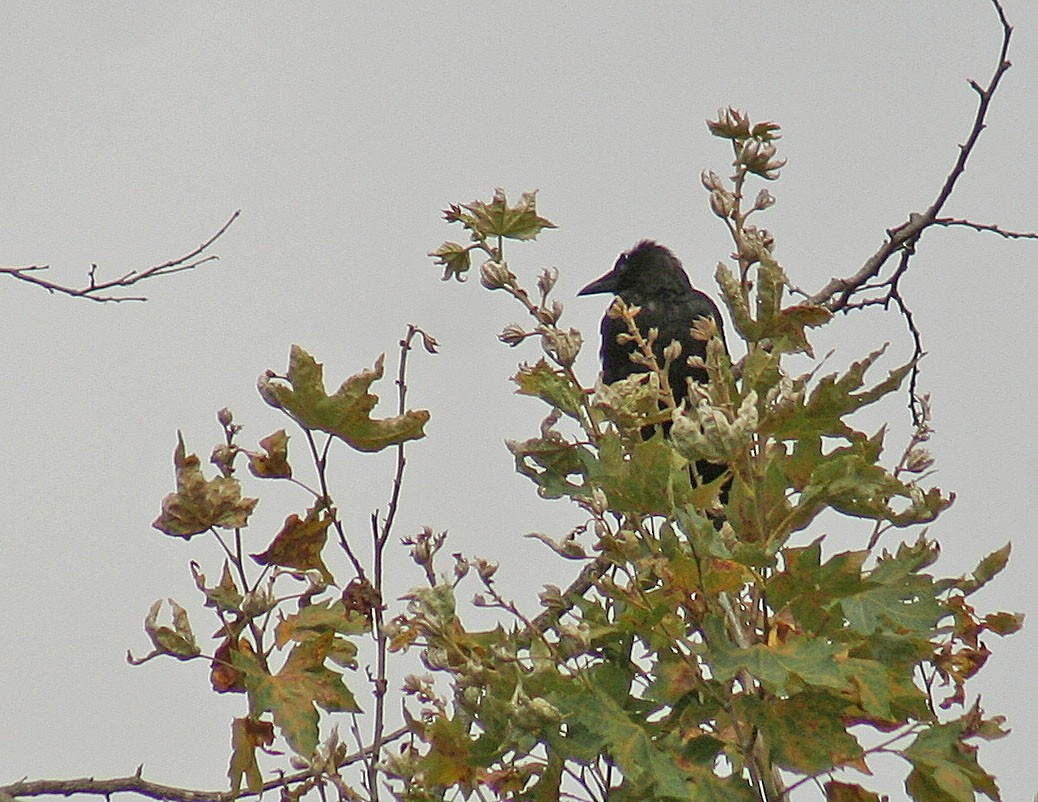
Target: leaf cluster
x=287 y=638
x=712 y=649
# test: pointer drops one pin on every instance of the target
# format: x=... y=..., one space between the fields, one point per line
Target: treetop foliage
x=710 y=646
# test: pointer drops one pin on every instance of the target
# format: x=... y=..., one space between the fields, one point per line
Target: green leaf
x=809 y=589
x=318 y=618
x=986 y=570
x=454 y=259
x=787 y=327
x=178 y=641
x=849 y=792
x=552 y=386
x=549 y=461
x=225 y=597
x=731 y=292
x=449 y=760
x=896 y=595
x=804 y=732
x=630 y=403
x=652 y=772
x=347 y=413
x=199 y=504
x=498 y=219
x=832 y=399
x=782 y=667
x=292 y=694
x=299 y=544
x=642 y=477
x=771 y=281
x=945 y=768
x=1004 y=623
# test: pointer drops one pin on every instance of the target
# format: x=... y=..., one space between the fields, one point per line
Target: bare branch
x=838 y=294
x=97 y=290
x=948 y=222
x=136 y=784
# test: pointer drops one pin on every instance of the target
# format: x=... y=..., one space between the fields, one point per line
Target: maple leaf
x=198 y=503
x=498 y=219
x=347 y=413
x=246 y=735
x=273 y=464
x=299 y=544
x=293 y=694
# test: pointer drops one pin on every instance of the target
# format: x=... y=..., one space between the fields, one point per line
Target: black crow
x=651 y=277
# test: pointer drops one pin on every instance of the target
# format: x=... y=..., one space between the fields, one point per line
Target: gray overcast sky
x=131 y=131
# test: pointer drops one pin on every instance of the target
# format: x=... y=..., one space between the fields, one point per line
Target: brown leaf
x=299 y=544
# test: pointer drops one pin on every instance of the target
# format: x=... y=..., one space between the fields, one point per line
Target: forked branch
x=100 y=291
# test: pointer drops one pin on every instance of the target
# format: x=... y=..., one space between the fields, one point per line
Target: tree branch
x=97 y=290
x=136 y=784
x=839 y=293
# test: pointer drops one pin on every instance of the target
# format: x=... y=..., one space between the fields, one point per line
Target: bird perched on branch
x=651 y=277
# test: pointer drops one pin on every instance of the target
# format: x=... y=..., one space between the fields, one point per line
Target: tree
x=675 y=663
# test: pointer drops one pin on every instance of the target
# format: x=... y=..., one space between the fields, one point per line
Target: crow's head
x=648 y=270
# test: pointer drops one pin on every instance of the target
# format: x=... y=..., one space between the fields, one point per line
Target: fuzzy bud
x=722 y=203
x=764 y=200
x=711 y=181
x=562 y=346
x=512 y=335
x=919 y=460
x=495 y=275
x=547 y=280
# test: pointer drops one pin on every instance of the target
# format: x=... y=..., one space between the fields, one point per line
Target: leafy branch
x=703 y=655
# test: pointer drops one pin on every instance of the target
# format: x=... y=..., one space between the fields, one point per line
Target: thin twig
x=380 y=536
x=994 y=229
x=839 y=292
x=94 y=290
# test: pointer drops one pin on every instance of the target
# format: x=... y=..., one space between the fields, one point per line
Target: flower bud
x=495 y=275
x=711 y=181
x=547 y=280
x=764 y=200
x=512 y=335
x=722 y=203
x=563 y=347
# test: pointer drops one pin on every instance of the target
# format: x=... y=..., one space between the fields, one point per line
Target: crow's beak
x=605 y=284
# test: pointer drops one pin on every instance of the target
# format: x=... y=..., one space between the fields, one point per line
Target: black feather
x=651 y=277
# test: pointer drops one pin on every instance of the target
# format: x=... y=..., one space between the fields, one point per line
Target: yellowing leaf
x=804 y=731
x=552 y=386
x=292 y=694
x=200 y=503
x=347 y=413
x=246 y=735
x=318 y=618
x=177 y=641
x=274 y=463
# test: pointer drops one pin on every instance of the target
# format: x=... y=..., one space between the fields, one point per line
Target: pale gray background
x=131 y=131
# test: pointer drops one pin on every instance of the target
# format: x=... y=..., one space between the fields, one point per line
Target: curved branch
x=96 y=290
x=838 y=294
